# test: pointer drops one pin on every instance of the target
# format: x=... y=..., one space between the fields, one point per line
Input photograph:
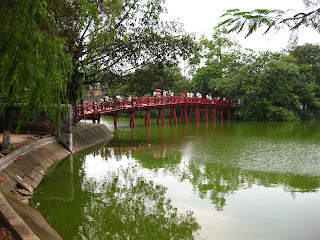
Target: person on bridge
x=209 y=97
x=198 y=95
x=106 y=98
x=164 y=93
x=118 y=97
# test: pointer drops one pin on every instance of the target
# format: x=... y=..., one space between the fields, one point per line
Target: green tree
x=143 y=81
x=308 y=54
x=214 y=54
x=203 y=77
x=34 y=66
x=272 y=19
x=273 y=88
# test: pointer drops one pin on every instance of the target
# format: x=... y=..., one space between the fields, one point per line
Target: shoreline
x=22 y=171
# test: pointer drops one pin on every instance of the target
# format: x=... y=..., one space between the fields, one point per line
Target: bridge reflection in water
x=94 y=110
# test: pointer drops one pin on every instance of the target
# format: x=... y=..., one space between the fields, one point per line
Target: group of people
x=157 y=93
x=191 y=94
x=118 y=97
x=185 y=94
x=164 y=93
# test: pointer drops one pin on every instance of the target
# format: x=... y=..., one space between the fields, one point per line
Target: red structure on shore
x=94 y=110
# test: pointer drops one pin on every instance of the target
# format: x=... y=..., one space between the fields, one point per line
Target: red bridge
x=94 y=110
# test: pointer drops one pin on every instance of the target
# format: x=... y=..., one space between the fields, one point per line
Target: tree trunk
x=73 y=87
x=6 y=140
x=75 y=109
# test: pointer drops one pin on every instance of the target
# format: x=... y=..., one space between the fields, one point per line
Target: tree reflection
x=129 y=208
x=121 y=205
x=219 y=176
x=217 y=181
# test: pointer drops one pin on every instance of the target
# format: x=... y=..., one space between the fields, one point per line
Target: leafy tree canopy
x=108 y=38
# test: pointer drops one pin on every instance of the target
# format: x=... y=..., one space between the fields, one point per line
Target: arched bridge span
x=94 y=110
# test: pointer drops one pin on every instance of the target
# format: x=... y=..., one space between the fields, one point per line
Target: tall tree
x=34 y=66
x=108 y=38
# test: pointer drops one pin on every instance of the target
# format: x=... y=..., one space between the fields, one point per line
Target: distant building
x=92 y=94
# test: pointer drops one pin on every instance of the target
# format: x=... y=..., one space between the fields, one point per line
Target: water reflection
x=219 y=166
x=154 y=182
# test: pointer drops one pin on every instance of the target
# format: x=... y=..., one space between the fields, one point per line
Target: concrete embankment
x=22 y=171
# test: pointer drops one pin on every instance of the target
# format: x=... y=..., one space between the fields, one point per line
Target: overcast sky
x=201 y=16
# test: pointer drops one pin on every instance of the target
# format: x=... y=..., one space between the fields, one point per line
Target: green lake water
x=236 y=180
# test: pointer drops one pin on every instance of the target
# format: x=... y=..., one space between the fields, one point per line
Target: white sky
x=201 y=16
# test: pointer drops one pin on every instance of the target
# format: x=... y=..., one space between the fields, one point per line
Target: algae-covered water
x=236 y=180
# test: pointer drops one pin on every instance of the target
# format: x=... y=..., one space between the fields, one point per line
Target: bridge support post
x=160 y=112
x=162 y=116
x=158 y=115
x=191 y=115
x=197 y=115
x=184 y=112
x=115 y=120
x=214 y=114
x=221 y=112
x=132 y=121
x=207 y=114
x=147 y=118
x=228 y=114
x=174 y=115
